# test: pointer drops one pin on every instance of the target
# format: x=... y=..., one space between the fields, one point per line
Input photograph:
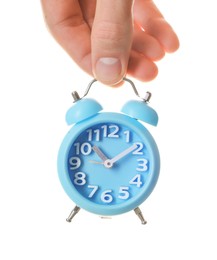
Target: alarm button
x=82 y=109
x=140 y=110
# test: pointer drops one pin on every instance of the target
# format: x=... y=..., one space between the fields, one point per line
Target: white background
x=36 y=79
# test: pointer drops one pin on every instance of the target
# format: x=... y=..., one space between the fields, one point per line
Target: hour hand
x=109 y=163
x=99 y=152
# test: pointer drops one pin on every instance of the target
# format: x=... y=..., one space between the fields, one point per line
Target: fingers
x=147 y=45
x=111 y=40
x=153 y=36
x=101 y=40
x=141 y=68
x=88 y=10
x=68 y=26
x=150 y=18
x=162 y=31
x=145 y=50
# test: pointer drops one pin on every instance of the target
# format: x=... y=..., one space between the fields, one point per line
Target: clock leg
x=140 y=215
x=73 y=213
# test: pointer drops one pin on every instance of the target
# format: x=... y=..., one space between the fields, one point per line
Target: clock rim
x=62 y=166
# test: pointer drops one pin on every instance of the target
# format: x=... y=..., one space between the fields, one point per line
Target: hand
x=111 y=38
x=99 y=152
x=109 y=162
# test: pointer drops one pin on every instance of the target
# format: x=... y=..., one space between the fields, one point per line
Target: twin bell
x=84 y=108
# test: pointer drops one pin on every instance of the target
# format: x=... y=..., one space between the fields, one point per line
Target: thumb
x=111 y=40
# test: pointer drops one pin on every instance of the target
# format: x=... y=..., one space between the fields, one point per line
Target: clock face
x=112 y=166
x=109 y=164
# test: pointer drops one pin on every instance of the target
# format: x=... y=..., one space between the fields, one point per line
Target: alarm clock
x=108 y=162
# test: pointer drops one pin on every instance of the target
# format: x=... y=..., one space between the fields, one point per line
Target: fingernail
x=108 y=70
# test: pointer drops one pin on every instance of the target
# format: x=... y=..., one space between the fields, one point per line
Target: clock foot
x=140 y=215
x=73 y=213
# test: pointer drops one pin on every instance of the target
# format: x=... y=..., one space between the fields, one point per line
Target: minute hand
x=109 y=163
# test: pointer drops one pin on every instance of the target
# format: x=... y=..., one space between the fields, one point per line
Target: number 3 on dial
x=142 y=165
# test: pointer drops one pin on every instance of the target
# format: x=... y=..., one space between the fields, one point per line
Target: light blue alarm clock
x=109 y=163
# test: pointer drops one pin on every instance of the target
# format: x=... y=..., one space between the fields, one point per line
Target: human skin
x=111 y=39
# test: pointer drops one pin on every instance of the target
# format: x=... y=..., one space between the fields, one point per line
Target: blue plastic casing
x=100 y=175
x=140 y=110
x=82 y=109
